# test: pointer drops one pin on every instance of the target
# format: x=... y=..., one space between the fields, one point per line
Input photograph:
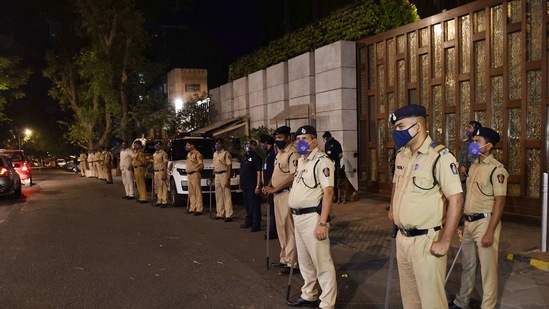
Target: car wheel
x=17 y=191
x=175 y=198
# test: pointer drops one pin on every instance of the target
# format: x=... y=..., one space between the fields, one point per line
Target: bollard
x=544 y=215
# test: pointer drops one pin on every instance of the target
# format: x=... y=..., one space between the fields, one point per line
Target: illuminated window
x=192 y=87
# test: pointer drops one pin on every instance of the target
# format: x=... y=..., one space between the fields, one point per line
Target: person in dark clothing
x=267 y=142
x=333 y=149
x=250 y=184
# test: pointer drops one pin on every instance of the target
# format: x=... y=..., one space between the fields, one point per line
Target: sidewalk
x=361 y=243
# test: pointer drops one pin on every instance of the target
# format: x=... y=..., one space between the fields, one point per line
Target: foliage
x=12 y=78
x=195 y=114
x=366 y=18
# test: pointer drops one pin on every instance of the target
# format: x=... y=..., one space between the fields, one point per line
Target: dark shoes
x=286 y=271
x=228 y=219
x=271 y=236
x=190 y=212
x=255 y=229
x=451 y=305
x=163 y=206
x=218 y=218
x=279 y=264
x=197 y=214
x=300 y=302
x=245 y=226
x=143 y=202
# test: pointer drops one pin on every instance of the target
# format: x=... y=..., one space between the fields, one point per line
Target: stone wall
x=317 y=88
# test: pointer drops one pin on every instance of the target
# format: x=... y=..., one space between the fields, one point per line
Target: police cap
x=158 y=143
x=218 y=140
x=266 y=139
x=282 y=130
x=475 y=124
x=327 y=134
x=306 y=130
x=489 y=134
x=407 y=111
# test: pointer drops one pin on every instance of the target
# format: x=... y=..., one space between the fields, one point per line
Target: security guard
x=333 y=149
x=97 y=163
x=91 y=168
x=250 y=184
x=160 y=166
x=267 y=144
x=487 y=188
x=466 y=159
x=222 y=161
x=310 y=202
x=101 y=164
x=283 y=176
x=83 y=163
x=126 y=158
x=138 y=164
x=425 y=172
x=195 y=164
x=107 y=165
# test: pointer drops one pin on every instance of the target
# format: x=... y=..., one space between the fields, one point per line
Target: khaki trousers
x=161 y=188
x=82 y=169
x=127 y=180
x=223 y=199
x=488 y=257
x=97 y=168
x=195 y=192
x=108 y=173
x=421 y=273
x=315 y=261
x=91 y=167
x=285 y=228
x=139 y=174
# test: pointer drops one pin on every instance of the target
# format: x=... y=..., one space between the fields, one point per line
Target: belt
x=220 y=172
x=190 y=173
x=137 y=166
x=302 y=211
x=416 y=232
x=475 y=217
x=283 y=190
x=158 y=170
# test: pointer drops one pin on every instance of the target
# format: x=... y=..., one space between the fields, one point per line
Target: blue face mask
x=469 y=133
x=303 y=147
x=475 y=150
x=218 y=147
x=263 y=147
x=280 y=144
x=187 y=149
x=157 y=147
x=402 y=138
x=248 y=149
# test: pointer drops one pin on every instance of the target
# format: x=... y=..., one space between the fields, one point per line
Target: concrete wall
x=320 y=86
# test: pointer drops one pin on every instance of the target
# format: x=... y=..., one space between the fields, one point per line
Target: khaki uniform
x=107 y=165
x=315 y=260
x=83 y=164
x=195 y=164
x=138 y=164
x=418 y=204
x=160 y=165
x=487 y=179
x=91 y=164
x=285 y=165
x=222 y=161
x=99 y=158
x=126 y=158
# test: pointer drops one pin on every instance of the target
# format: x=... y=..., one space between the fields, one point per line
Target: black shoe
x=163 y=206
x=255 y=229
x=143 y=202
x=245 y=226
x=451 y=305
x=279 y=264
x=286 y=271
x=300 y=302
x=125 y=197
x=190 y=212
x=156 y=205
x=197 y=214
x=218 y=218
x=130 y=197
x=228 y=219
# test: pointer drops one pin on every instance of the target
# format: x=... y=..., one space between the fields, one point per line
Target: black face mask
x=280 y=144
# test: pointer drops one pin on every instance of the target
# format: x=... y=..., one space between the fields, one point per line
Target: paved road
x=73 y=242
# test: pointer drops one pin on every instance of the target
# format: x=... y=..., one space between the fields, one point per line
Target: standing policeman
x=466 y=159
x=267 y=144
x=283 y=176
x=195 y=164
x=310 y=202
x=160 y=166
x=138 y=164
x=83 y=163
x=425 y=171
x=222 y=161
x=126 y=158
x=487 y=188
x=333 y=149
x=250 y=183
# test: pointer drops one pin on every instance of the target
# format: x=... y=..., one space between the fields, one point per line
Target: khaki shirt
x=139 y=159
x=107 y=158
x=416 y=202
x=222 y=160
x=487 y=179
x=195 y=163
x=313 y=175
x=160 y=159
x=82 y=158
x=285 y=164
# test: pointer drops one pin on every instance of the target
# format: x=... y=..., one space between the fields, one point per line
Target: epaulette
x=438 y=147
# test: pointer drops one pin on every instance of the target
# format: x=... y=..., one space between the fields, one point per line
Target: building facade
x=183 y=84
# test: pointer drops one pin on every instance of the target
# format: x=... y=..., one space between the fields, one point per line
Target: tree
x=12 y=79
x=196 y=113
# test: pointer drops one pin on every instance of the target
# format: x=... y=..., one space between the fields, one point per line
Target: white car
x=177 y=175
x=60 y=163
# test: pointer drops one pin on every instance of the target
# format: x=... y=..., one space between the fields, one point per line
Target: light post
x=27 y=133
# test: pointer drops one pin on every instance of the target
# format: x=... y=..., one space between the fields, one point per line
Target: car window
x=178 y=152
x=15 y=156
x=3 y=162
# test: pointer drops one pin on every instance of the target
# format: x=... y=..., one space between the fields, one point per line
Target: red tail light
x=3 y=171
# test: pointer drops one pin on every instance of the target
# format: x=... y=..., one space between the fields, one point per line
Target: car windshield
x=178 y=152
x=15 y=156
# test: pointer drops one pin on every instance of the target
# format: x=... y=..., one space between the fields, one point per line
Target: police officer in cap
x=138 y=164
x=333 y=149
x=160 y=166
x=465 y=159
x=267 y=145
x=486 y=191
x=425 y=173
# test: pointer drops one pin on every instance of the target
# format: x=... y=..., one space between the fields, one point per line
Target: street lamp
x=27 y=133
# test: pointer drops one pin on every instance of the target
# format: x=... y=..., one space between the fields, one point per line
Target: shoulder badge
x=438 y=147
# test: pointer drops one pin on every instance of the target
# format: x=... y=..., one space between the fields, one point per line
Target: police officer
x=333 y=149
x=91 y=167
x=310 y=202
x=250 y=184
x=138 y=164
x=487 y=188
x=83 y=164
x=107 y=165
x=222 y=161
x=126 y=158
x=195 y=164
x=101 y=164
x=279 y=186
x=425 y=172
x=160 y=166
x=97 y=163
x=465 y=159
x=267 y=145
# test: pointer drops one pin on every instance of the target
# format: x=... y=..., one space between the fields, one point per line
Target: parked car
x=10 y=181
x=177 y=175
x=21 y=165
x=60 y=163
